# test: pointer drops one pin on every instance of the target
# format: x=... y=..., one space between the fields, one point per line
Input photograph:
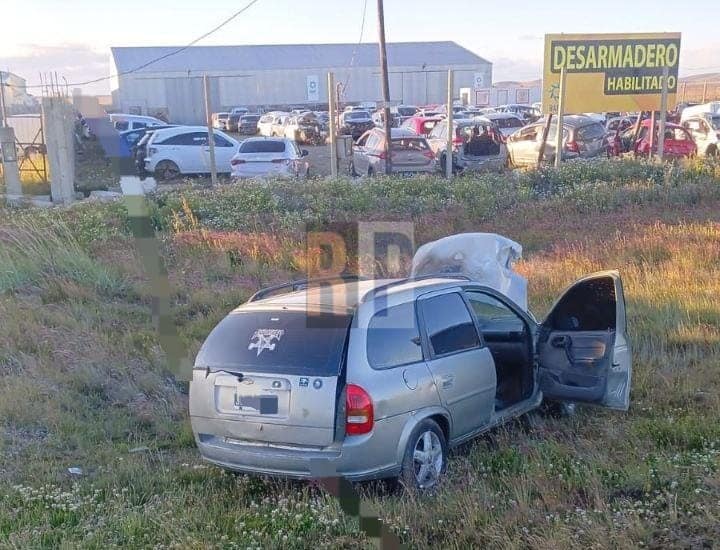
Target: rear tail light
x=359 y=413
x=572 y=147
x=235 y=162
x=382 y=155
x=457 y=141
x=428 y=154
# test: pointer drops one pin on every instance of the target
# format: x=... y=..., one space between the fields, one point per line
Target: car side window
x=448 y=323
x=393 y=338
x=190 y=138
x=493 y=315
x=122 y=125
x=221 y=141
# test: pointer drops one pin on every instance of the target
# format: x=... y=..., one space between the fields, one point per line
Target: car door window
x=189 y=138
x=221 y=141
x=493 y=315
x=393 y=337
x=448 y=324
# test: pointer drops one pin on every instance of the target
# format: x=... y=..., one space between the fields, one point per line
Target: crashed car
x=377 y=378
x=355 y=123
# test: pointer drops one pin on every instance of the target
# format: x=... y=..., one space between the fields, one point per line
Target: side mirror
x=304 y=153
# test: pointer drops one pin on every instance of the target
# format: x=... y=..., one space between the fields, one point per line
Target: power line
x=357 y=47
x=160 y=58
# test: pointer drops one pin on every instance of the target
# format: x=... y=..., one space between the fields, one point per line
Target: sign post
x=211 y=135
x=451 y=128
x=543 y=142
x=663 y=116
x=561 y=108
x=332 y=115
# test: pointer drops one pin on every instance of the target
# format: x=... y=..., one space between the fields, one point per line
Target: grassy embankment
x=83 y=381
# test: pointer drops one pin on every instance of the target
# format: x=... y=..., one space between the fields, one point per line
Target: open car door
x=583 y=346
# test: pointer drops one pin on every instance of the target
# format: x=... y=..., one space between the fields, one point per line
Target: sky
x=73 y=37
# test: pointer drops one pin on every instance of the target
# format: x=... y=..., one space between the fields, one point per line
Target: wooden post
x=450 y=126
x=704 y=91
x=663 y=114
x=636 y=133
x=684 y=90
x=652 y=135
x=543 y=142
x=561 y=108
x=332 y=122
x=385 y=87
x=211 y=136
x=3 y=114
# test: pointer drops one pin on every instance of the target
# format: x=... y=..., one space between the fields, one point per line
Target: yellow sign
x=610 y=72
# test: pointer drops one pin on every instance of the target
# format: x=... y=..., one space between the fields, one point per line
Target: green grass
x=84 y=382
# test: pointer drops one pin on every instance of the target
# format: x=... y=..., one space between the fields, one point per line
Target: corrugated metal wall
x=183 y=96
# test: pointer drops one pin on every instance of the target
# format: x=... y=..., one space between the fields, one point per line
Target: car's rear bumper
x=370 y=456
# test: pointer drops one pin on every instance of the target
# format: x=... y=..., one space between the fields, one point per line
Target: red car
x=421 y=125
x=678 y=141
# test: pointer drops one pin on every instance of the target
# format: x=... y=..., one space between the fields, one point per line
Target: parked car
x=219 y=120
x=411 y=153
x=186 y=150
x=133 y=137
x=620 y=123
x=582 y=138
x=261 y=157
x=528 y=113
x=355 y=123
x=703 y=123
x=270 y=122
x=403 y=112
x=304 y=128
x=248 y=125
x=678 y=142
x=507 y=123
x=239 y=111
x=294 y=384
x=421 y=125
x=477 y=145
x=122 y=122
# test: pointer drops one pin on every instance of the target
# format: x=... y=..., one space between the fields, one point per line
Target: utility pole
x=385 y=87
x=450 y=127
x=332 y=121
x=560 y=127
x=211 y=136
x=2 y=102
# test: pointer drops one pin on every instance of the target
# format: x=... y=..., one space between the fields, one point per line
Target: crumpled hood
x=483 y=257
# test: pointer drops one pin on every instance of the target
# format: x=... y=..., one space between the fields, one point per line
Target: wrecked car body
x=370 y=378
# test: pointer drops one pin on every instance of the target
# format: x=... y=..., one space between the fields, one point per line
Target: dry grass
x=84 y=383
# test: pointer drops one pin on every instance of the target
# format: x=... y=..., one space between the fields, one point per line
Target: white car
x=507 y=123
x=186 y=150
x=261 y=157
x=270 y=122
x=123 y=122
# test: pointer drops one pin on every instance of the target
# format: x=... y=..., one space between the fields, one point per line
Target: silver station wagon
x=379 y=378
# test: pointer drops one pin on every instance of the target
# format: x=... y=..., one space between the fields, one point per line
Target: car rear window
x=509 y=123
x=282 y=342
x=406 y=111
x=409 y=144
x=357 y=115
x=591 y=131
x=263 y=147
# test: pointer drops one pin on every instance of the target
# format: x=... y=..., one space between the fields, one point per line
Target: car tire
x=167 y=170
x=425 y=458
x=370 y=172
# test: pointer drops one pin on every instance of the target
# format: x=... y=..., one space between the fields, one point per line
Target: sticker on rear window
x=265 y=338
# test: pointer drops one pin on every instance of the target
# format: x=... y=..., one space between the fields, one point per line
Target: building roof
x=289 y=56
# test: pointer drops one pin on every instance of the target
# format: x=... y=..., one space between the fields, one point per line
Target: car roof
x=265 y=138
x=348 y=295
x=398 y=132
x=491 y=116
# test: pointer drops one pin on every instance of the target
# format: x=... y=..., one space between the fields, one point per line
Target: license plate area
x=252 y=396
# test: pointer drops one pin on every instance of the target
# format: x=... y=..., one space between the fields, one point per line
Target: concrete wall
x=182 y=95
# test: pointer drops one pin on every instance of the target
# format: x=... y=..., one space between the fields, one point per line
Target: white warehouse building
x=285 y=75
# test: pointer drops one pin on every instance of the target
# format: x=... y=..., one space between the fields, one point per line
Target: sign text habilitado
x=610 y=72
